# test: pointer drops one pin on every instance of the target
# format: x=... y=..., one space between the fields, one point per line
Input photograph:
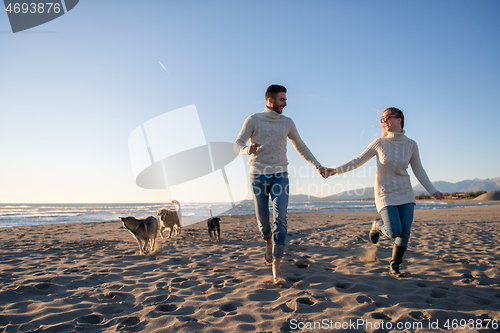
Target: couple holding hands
x=394 y=198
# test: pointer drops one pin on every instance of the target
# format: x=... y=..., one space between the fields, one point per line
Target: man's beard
x=277 y=109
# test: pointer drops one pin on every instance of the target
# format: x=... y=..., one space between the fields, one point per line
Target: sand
x=494 y=195
x=89 y=278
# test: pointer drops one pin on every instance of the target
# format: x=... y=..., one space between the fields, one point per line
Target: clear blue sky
x=73 y=89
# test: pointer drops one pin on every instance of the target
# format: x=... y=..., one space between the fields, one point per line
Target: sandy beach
x=88 y=277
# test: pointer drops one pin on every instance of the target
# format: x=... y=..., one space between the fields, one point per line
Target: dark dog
x=143 y=230
x=213 y=226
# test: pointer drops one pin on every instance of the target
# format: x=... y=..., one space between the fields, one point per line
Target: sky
x=73 y=90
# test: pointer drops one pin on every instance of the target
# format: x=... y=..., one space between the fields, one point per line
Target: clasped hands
x=326 y=172
x=323 y=171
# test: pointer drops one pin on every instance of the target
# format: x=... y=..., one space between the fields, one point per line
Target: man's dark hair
x=273 y=90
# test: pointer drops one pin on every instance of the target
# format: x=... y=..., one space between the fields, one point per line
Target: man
x=268 y=162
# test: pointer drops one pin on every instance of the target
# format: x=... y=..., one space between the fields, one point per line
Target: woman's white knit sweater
x=392 y=182
x=271 y=129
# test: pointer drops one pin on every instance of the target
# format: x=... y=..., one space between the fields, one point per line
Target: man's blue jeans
x=397 y=222
x=277 y=186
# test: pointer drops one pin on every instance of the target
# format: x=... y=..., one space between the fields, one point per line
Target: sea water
x=16 y=215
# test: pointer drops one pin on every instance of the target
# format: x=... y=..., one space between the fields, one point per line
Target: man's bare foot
x=269 y=251
x=277 y=276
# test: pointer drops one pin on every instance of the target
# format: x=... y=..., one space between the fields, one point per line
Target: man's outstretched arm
x=304 y=151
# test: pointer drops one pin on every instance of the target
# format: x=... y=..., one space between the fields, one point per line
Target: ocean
x=16 y=215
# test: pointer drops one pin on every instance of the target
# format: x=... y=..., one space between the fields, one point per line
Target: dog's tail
x=178 y=210
x=175 y=202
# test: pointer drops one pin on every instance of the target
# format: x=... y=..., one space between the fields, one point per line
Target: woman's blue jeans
x=397 y=222
x=275 y=186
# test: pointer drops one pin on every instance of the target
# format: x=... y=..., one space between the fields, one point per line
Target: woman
x=394 y=196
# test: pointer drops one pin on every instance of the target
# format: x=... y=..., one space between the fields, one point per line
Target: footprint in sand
x=114 y=296
x=245 y=328
x=71 y=270
x=110 y=309
x=228 y=307
x=179 y=280
x=301 y=304
x=342 y=285
x=115 y=286
x=156 y=299
x=218 y=284
x=43 y=286
x=438 y=293
x=162 y=286
x=283 y=307
x=166 y=308
x=89 y=319
x=418 y=315
x=215 y=296
x=364 y=299
x=187 y=319
x=263 y=295
x=218 y=314
x=381 y=315
x=467 y=278
x=486 y=318
x=305 y=300
x=302 y=263
x=188 y=284
x=130 y=321
x=295 y=279
x=28 y=291
x=244 y=318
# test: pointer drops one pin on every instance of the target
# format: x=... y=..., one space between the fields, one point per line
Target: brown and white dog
x=170 y=219
x=143 y=230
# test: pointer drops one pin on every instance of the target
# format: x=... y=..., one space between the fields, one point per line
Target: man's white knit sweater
x=392 y=182
x=270 y=129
